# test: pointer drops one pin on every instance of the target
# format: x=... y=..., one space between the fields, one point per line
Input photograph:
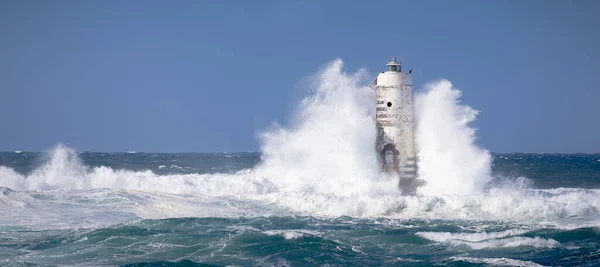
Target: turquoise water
x=169 y=210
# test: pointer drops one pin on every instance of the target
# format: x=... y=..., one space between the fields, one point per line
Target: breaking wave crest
x=449 y=161
x=325 y=165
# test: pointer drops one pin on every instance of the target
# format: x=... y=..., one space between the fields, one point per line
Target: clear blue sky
x=206 y=76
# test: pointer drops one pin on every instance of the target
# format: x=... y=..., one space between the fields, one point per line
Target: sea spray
x=449 y=160
x=63 y=169
x=330 y=146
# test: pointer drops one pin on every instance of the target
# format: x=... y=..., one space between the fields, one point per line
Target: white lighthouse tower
x=395 y=140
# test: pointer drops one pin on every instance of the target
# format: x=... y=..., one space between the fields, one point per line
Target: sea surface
x=541 y=209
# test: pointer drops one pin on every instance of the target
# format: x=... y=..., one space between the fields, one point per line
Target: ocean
x=312 y=196
x=550 y=218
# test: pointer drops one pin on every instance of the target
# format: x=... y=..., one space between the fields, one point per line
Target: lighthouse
x=395 y=136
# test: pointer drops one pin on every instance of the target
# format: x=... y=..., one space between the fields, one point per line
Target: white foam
x=497 y=261
x=486 y=241
x=292 y=234
x=470 y=237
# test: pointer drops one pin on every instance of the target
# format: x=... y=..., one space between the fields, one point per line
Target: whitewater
x=315 y=181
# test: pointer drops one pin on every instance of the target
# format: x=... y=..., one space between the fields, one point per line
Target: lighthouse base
x=409 y=186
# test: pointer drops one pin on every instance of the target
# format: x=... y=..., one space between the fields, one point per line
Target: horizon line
x=254 y=151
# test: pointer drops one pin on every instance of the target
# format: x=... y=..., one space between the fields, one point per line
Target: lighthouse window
x=389 y=104
x=393 y=68
x=389 y=158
